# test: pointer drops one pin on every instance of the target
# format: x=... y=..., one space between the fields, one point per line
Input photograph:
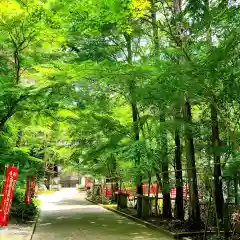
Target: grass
x=113 y=206
x=47 y=192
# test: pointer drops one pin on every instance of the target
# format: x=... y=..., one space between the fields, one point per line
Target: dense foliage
x=129 y=90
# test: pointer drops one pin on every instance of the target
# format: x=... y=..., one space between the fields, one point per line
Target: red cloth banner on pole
x=33 y=185
x=8 y=192
x=28 y=191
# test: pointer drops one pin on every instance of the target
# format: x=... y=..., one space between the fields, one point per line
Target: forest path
x=66 y=215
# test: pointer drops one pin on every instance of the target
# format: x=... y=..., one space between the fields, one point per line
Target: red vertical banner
x=33 y=184
x=28 y=191
x=8 y=192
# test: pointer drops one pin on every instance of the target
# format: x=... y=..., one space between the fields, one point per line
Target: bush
x=19 y=195
x=22 y=211
x=36 y=203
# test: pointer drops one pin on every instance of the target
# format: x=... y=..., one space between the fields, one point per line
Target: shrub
x=22 y=211
x=19 y=195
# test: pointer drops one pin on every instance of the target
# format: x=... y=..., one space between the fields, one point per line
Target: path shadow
x=74 y=202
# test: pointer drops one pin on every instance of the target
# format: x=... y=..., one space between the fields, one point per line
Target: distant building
x=69 y=179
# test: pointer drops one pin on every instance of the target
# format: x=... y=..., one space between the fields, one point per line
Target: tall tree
x=177 y=8
x=191 y=165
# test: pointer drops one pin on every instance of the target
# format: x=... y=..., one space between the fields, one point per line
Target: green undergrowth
x=47 y=192
x=21 y=211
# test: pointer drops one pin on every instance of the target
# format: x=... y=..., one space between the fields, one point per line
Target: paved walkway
x=16 y=232
x=66 y=215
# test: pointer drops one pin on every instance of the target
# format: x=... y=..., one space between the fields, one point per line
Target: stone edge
x=145 y=223
x=34 y=225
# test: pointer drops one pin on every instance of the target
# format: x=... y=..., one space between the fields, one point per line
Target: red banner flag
x=28 y=191
x=33 y=184
x=8 y=192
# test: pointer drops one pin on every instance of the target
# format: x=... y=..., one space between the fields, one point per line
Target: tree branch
x=11 y=110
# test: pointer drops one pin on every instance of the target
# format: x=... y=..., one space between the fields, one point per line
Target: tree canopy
x=131 y=90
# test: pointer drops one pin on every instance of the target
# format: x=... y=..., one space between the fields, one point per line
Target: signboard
x=8 y=191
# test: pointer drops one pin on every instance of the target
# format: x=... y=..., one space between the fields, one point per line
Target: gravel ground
x=16 y=232
x=66 y=215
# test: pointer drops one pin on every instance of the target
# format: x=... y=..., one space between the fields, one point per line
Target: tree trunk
x=156 y=200
x=137 y=162
x=19 y=137
x=149 y=183
x=179 y=181
x=177 y=8
x=167 y=210
x=135 y=122
x=218 y=193
x=113 y=176
x=155 y=28
x=192 y=174
x=236 y=189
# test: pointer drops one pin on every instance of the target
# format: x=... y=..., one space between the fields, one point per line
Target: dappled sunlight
x=45 y=224
x=133 y=104
x=65 y=219
x=7 y=233
x=104 y=225
x=146 y=233
x=61 y=217
x=53 y=207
